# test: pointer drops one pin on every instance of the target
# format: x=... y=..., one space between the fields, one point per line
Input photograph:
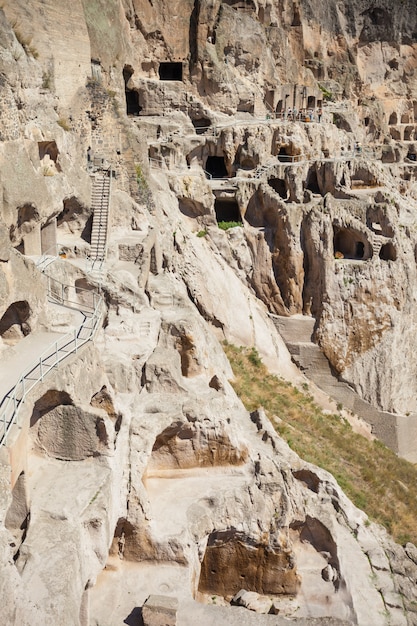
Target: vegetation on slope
x=373 y=477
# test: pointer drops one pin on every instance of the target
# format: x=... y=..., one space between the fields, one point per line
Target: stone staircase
x=377 y=243
x=100 y=200
x=388 y=427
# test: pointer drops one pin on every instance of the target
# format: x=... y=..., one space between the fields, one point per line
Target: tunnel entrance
x=350 y=244
x=132 y=97
x=170 y=71
x=216 y=167
x=227 y=211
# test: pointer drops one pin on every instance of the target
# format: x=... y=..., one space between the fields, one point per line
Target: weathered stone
x=160 y=611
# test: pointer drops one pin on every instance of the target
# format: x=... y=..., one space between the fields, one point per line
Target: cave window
x=170 y=71
x=393 y=119
x=405 y=118
x=412 y=156
x=13 y=323
x=388 y=252
x=26 y=213
x=349 y=244
x=227 y=211
x=408 y=131
x=279 y=107
x=367 y=121
x=132 y=97
x=201 y=125
x=216 y=167
x=297 y=18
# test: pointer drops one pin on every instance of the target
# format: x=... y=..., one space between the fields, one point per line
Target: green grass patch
x=227 y=225
x=371 y=475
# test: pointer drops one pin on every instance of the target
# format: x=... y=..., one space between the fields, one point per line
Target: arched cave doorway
x=388 y=252
x=132 y=97
x=216 y=167
x=393 y=119
x=350 y=244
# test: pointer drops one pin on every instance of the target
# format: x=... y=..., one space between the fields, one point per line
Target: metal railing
x=54 y=354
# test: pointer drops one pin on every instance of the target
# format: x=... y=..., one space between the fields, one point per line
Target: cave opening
x=388 y=252
x=311 y=102
x=279 y=185
x=283 y=156
x=350 y=244
x=227 y=210
x=201 y=125
x=132 y=97
x=312 y=182
x=14 y=322
x=169 y=70
x=393 y=119
x=216 y=167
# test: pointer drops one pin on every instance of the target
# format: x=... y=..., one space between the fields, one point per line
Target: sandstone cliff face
x=134 y=469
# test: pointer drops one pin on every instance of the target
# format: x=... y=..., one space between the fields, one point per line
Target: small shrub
x=63 y=123
x=227 y=225
x=202 y=233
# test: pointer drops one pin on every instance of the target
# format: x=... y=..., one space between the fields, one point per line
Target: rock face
x=134 y=474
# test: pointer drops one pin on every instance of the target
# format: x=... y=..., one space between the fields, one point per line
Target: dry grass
x=373 y=477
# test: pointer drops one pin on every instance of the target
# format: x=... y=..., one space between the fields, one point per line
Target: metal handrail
x=51 y=357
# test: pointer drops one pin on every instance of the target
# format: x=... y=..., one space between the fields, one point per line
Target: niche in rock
x=132 y=97
x=246 y=6
x=408 y=133
x=227 y=210
x=233 y=561
x=14 y=323
x=201 y=125
x=311 y=102
x=363 y=178
x=49 y=149
x=216 y=167
x=170 y=71
x=26 y=213
x=405 y=118
x=388 y=252
x=280 y=186
x=183 y=445
x=350 y=244
x=75 y=219
x=393 y=119
x=67 y=432
x=312 y=182
x=279 y=107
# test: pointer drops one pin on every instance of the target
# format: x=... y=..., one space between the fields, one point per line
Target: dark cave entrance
x=170 y=71
x=312 y=182
x=350 y=244
x=216 y=167
x=279 y=185
x=201 y=125
x=132 y=97
x=227 y=211
x=388 y=252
